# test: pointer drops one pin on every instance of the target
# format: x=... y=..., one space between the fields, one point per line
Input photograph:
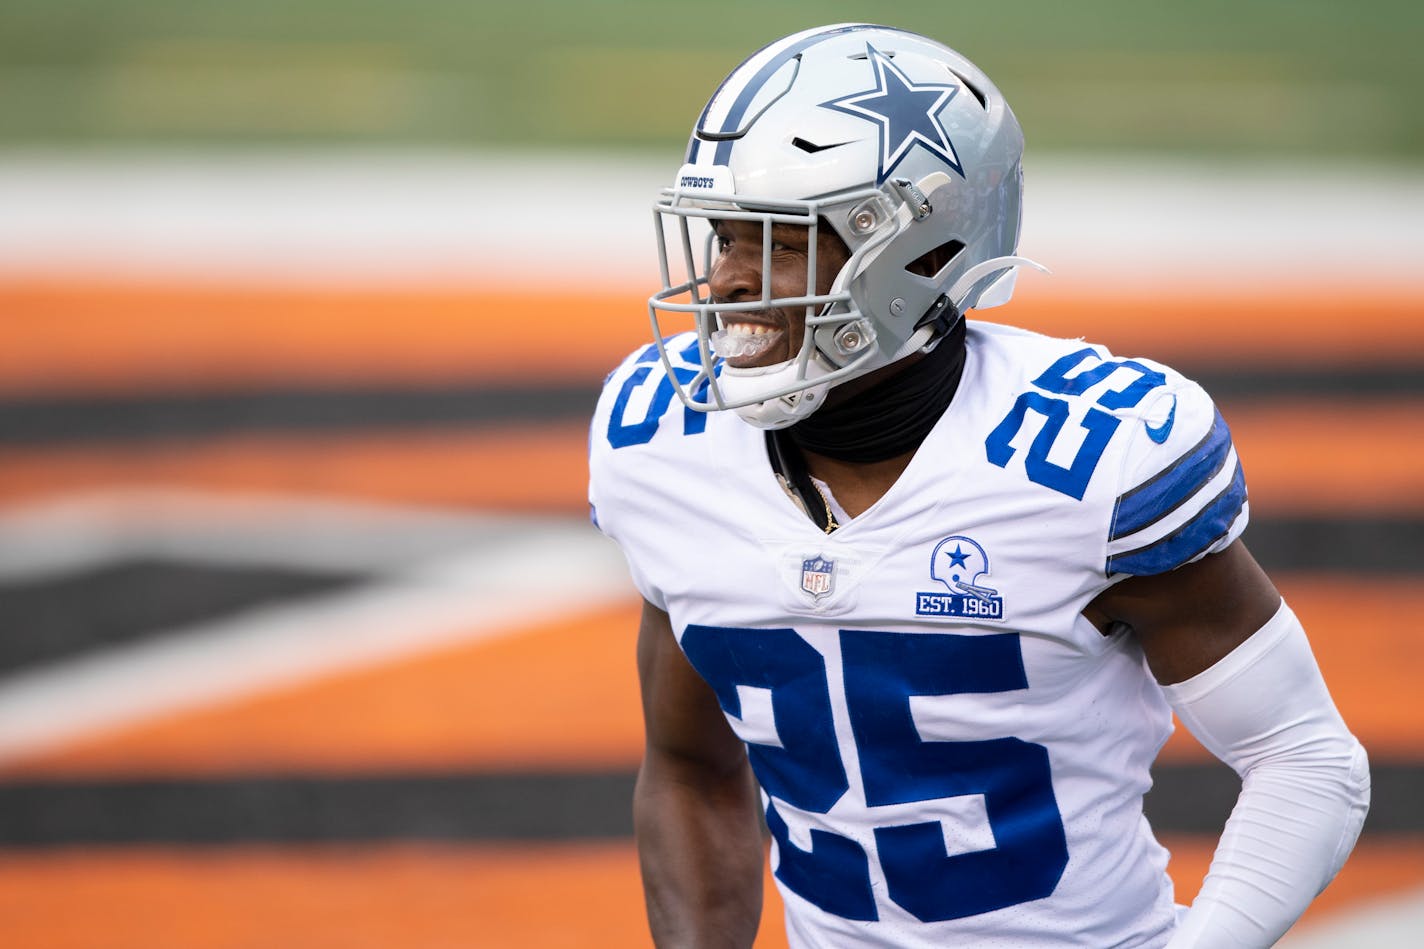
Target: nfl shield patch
x=818 y=576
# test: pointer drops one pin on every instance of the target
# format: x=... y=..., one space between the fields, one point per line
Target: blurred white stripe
x=582 y=219
x=509 y=575
x=89 y=530
x=1396 y=922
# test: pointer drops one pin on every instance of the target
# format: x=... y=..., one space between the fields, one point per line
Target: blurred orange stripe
x=1271 y=325
x=562 y=694
x=530 y=896
x=533 y=897
x=1308 y=454
x=76 y=336
x=79 y=338
x=542 y=468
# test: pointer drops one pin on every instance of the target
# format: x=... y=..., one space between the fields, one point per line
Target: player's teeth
x=742 y=339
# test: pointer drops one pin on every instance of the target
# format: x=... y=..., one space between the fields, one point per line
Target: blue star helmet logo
x=958 y=562
x=906 y=112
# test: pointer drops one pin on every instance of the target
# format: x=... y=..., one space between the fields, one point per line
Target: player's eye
x=789 y=239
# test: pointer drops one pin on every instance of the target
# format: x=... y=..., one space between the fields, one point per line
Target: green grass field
x=1308 y=78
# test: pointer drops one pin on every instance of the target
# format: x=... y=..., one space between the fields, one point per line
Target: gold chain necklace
x=826 y=502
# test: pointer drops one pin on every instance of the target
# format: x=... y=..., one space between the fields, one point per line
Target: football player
x=922 y=593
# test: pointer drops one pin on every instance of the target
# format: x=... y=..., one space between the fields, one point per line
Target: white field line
x=1395 y=922
x=91 y=529
x=573 y=219
x=507 y=582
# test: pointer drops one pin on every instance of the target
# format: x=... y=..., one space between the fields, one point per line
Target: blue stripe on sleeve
x=1159 y=496
x=1188 y=540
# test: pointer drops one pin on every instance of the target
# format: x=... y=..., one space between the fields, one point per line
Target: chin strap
x=940 y=318
x=795 y=479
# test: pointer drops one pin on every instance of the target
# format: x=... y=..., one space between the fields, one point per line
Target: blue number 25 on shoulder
x=622 y=433
x=1071 y=479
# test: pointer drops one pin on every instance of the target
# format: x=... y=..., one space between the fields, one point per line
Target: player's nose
x=735 y=273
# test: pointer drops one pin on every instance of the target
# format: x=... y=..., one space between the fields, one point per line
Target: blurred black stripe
x=56 y=616
x=67 y=420
x=309 y=809
x=62 y=420
x=1197 y=797
x=1188 y=798
x=1277 y=381
x=1377 y=545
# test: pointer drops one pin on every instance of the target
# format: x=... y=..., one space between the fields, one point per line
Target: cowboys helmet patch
x=960 y=565
x=818 y=576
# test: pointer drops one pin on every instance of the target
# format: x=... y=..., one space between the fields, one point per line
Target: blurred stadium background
x=304 y=637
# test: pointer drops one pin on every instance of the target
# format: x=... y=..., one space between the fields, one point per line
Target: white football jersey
x=949 y=752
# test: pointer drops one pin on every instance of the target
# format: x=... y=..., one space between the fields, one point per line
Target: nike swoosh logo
x=1160 y=433
x=812 y=147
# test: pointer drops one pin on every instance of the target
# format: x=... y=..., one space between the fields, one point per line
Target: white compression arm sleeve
x=1264 y=710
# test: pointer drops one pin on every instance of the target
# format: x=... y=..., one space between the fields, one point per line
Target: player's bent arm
x=696 y=809
x=1239 y=672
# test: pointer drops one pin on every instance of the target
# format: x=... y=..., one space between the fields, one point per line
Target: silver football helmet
x=897 y=143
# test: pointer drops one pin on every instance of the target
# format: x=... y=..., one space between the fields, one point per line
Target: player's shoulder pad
x=1181 y=490
x=1020 y=360
x=644 y=357
x=637 y=402
x=637 y=395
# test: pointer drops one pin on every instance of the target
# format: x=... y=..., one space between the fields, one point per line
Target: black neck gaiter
x=893 y=416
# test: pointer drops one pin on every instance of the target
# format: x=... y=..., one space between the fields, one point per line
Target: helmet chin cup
x=778 y=412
